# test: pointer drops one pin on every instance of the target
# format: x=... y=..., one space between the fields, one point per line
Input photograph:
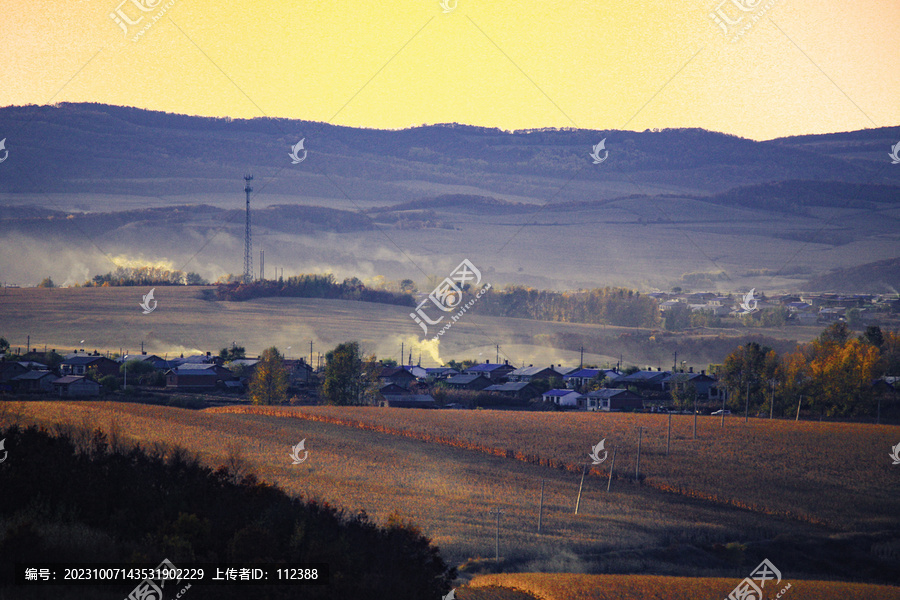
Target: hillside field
x=184 y=322
x=804 y=495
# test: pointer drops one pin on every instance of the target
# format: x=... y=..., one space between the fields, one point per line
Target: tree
x=233 y=353
x=46 y=282
x=343 y=369
x=4 y=346
x=408 y=286
x=678 y=317
x=270 y=380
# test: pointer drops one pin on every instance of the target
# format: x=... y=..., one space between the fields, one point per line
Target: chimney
x=487 y=361
x=690 y=369
x=506 y=361
x=703 y=371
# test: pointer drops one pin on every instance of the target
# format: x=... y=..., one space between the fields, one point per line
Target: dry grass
x=837 y=475
x=646 y=587
x=447 y=491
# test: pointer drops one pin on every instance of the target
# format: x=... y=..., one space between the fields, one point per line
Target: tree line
x=835 y=375
x=144 y=276
x=310 y=286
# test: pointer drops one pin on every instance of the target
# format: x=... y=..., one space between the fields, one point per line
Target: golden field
x=447 y=470
x=545 y=586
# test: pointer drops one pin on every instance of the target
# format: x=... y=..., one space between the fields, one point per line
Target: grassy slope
x=449 y=490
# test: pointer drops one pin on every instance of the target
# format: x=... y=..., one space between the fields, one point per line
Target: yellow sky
x=803 y=67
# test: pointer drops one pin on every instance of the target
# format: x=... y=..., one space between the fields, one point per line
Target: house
x=703 y=383
x=496 y=372
x=644 y=380
x=520 y=390
x=34 y=366
x=34 y=381
x=80 y=364
x=561 y=397
x=397 y=375
x=475 y=382
x=9 y=370
x=299 y=371
x=440 y=373
x=197 y=376
x=610 y=400
x=393 y=389
x=417 y=371
x=532 y=373
x=407 y=401
x=581 y=377
x=158 y=363
x=76 y=386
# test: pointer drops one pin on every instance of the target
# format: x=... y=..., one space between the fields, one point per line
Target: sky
x=784 y=67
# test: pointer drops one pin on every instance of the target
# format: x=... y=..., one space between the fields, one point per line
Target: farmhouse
x=407 y=401
x=197 y=376
x=532 y=373
x=34 y=381
x=561 y=397
x=76 y=386
x=520 y=390
x=396 y=375
x=494 y=371
x=474 y=382
x=610 y=400
x=581 y=377
x=79 y=365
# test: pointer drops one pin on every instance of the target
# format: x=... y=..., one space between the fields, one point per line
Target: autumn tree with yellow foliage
x=834 y=374
x=269 y=383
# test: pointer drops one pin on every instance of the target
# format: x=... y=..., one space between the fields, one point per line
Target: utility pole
x=262 y=265
x=637 y=465
x=772 y=401
x=248 y=244
x=541 y=508
x=695 y=418
x=724 y=396
x=497 y=537
x=611 y=467
x=675 y=362
x=402 y=352
x=669 y=434
x=580 y=487
x=797 y=418
x=581 y=366
x=498 y=354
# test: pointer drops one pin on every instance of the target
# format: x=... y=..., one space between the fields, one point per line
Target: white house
x=562 y=397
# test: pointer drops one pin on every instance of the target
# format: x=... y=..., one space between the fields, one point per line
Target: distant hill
x=133 y=151
x=879 y=277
